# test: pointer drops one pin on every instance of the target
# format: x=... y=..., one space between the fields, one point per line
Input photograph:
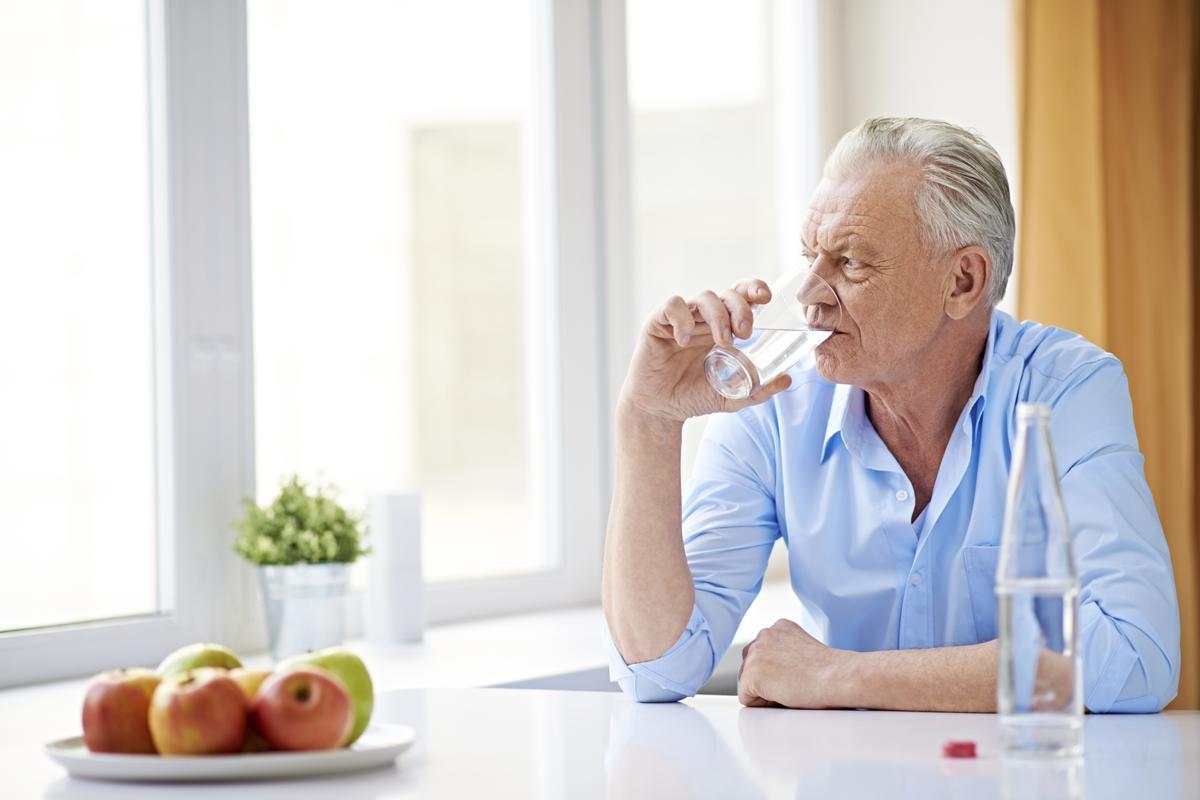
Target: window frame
x=565 y=273
x=196 y=91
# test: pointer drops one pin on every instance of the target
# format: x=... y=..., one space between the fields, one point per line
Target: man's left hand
x=785 y=666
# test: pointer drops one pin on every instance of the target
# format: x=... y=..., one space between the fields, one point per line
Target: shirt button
x=902 y=495
x=915 y=579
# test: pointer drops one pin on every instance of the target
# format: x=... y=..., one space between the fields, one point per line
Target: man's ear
x=967 y=283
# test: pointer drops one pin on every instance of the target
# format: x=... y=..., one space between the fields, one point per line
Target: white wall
x=945 y=59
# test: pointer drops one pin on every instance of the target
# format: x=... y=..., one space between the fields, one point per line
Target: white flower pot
x=305 y=605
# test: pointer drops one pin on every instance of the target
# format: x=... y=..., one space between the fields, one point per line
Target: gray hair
x=963 y=197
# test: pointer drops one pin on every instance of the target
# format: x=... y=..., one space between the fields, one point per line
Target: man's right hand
x=666 y=377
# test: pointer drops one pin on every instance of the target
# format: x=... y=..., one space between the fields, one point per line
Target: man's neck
x=915 y=415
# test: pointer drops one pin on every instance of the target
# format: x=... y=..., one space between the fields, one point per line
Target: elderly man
x=882 y=463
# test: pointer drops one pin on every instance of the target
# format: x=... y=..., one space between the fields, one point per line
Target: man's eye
x=853 y=263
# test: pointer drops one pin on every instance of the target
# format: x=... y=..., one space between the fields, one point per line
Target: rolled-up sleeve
x=1129 y=615
x=729 y=528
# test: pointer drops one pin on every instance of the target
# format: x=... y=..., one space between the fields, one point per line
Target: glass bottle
x=1040 y=679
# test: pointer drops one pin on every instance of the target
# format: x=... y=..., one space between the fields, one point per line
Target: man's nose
x=816 y=290
x=823 y=266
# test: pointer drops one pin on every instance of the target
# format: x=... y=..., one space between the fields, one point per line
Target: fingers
x=740 y=315
x=754 y=290
x=747 y=697
x=677 y=317
x=747 y=693
x=742 y=666
x=763 y=394
x=713 y=311
x=773 y=388
x=722 y=316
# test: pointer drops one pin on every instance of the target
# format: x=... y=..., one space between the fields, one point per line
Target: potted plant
x=303 y=544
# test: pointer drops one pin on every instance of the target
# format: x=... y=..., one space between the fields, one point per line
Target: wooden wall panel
x=1108 y=229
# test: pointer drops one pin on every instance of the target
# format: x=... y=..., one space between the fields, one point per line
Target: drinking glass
x=803 y=312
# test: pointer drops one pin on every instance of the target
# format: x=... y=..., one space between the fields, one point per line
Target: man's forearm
x=647 y=587
x=959 y=678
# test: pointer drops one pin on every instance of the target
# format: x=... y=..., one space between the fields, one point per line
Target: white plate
x=378 y=746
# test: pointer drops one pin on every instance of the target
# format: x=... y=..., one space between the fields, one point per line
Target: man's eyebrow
x=855 y=243
x=861 y=247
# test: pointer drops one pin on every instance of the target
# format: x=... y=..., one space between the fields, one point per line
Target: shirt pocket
x=979 y=561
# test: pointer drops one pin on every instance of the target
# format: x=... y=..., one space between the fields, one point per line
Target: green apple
x=194 y=656
x=353 y=672
x=249 y=680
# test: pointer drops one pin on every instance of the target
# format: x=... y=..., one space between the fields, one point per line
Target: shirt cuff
x=1110 y=680
x=1103 y=686
x=679 y=672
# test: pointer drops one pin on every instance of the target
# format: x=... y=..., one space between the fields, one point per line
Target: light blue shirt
x=808 y=466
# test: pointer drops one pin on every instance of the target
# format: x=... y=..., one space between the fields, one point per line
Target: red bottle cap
x=958 y=750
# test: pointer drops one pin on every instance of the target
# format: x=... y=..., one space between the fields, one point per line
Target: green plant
x=301 y=526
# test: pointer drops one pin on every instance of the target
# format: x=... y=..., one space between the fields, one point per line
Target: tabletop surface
x=539 y=743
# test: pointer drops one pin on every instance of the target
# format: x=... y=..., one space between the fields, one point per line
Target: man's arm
x=666 y=628
x=961 y=678
x=728 y=527
x=784 y=665
x=1128 y=623
x=647 y=586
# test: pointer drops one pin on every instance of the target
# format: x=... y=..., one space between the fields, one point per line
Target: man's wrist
x=847 y=680
x=635 y=422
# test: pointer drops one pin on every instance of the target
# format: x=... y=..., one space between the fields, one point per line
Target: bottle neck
x=1035 y=541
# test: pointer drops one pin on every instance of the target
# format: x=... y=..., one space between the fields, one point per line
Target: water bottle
x=1040 y=680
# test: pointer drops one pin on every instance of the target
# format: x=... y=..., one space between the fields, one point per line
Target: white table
x=552 y=744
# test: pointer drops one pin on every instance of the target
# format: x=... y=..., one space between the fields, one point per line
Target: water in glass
x=1040 y=680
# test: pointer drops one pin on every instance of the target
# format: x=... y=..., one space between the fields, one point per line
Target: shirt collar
x=847 y=408
x=979 y=393
x=839 y=412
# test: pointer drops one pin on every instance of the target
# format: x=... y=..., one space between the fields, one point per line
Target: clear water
x=737 y=373
x=776 y=351
x=1040 y=673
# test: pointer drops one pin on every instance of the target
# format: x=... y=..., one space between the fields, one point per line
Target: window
x=703 y=122
x=435 y=229
x=77 y=412
x=396 y=326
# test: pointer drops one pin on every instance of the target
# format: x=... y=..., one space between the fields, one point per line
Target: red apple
x=198 y=712
x=306 y=708
x=115 y=711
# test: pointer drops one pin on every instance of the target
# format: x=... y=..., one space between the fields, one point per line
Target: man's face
x=861 y=235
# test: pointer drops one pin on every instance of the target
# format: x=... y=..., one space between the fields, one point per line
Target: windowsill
x=504 y=650
x=525 y=647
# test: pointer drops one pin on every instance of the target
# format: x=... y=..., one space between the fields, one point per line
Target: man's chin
x=827 y=367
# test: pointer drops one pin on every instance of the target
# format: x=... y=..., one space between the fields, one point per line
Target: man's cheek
x=837 y=351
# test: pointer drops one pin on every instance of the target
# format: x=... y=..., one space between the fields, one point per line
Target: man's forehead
x=860 y=209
